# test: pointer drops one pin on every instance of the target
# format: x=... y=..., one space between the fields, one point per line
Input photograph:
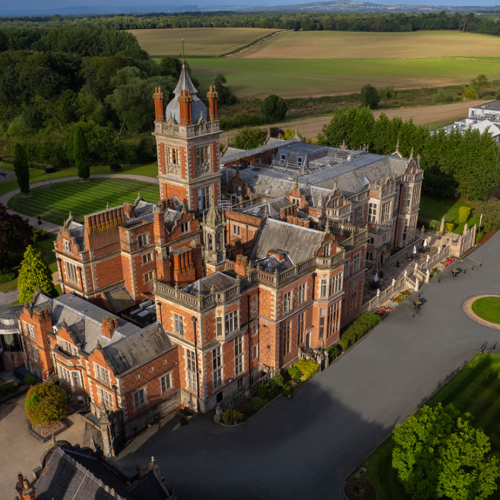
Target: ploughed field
x=81 y=198
x=307 y=63
x=198 y=41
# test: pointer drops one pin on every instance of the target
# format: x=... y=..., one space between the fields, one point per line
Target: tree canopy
x=369 y=96
x=34 y=273
x=248 y=138
x=21 y=168
x=274 y=108
x=81 y=153
x=45 y=403
x=438 y=453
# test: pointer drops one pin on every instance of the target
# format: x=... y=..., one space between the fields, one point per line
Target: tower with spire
x=187 y=138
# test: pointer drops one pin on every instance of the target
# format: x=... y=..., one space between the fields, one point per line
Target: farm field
x=354 y=45
x=316 y=77
x=474 y=389
x=424 y=115
x=198 y=41
x=54 y=204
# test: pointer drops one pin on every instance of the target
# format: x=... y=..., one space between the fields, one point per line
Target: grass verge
x=475 y=389
x=488 y=308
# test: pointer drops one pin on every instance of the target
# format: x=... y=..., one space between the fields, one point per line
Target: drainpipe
x=249 y=350
x=193 y=319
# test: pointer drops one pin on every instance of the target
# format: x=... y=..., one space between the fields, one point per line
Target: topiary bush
x=449 y=227
x=463 y=214
x=277 y=381
x=287 y=390
x=295 y=373
x=263 y=391
x=232 y=416
x=307 y=367
x=45 y=403
x=29 y=380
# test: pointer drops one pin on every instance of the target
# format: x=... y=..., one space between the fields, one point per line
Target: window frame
x=372 y=213
x=136 y=396
x=166 y=382
x=178 y=320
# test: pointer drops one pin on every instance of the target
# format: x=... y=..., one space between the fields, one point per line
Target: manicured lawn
x=488 y=308
x=54 y=204
x=36 y=175
x=474 y=389
x=434 y=208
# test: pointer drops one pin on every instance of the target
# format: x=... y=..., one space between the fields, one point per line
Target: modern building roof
x=484 y=125
x=300 y=243
x=489 y=106
x=70 y=475
x=199 y=110
x=119 y=300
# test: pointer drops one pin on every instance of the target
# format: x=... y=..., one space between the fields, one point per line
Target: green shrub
x=13 y=388
x=295 y=373
x=449 y=226
x=232 y=416
x=5 y=278
x=263 y=391
x=287 y=390
x=277 y=381
x=8 y=389
x=45 y=403
x=4 y=391
x=308 y=367
x=257 y=403
x=463 y=214
x=479 y=236
x=358 y=329
x=29 y=380
x=333 y=352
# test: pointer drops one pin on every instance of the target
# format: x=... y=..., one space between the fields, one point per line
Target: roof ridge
x=293 y=225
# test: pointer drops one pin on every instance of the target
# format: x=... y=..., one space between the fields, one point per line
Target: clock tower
x=187 y=140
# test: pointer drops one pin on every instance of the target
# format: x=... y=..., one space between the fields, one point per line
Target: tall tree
x=438 y=453
x=274 y=108
x=81 y=153
x=34 y=273
x=21 y=168
x=369 y=96
x=15 y=235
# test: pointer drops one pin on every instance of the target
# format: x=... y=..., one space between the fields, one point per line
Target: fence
x=247 y=392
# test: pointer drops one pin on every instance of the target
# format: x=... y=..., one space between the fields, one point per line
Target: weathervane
x=183 y=54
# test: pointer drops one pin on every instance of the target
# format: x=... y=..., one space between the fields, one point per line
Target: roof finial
x=107 y=205
x=183 y=55
x=327 y=226
x=296 y=182
x=411 y=154
x=397 y=146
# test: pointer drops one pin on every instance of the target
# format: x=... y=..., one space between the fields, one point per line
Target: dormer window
x=326 y=250
x=282 y=158
x=67 y=246
x=300 y=161
x=143 y=240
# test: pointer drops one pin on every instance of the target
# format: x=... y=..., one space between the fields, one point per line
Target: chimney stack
x=109 y=324
x=186 y=108
x=212 y=104
x=28 y=492
x=159 y=107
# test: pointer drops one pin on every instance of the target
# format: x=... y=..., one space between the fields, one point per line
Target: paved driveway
x=306 y=446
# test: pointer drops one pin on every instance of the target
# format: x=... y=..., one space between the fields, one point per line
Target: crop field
x=316 y=77
x=197 y=41
x=349 y=45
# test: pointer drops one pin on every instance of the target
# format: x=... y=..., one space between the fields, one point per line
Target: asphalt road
x=306 y=446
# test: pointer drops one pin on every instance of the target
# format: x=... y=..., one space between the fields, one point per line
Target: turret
x=212 y=104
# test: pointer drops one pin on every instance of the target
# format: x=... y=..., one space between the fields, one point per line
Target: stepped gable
x=183 y=85
x=300 y=243
x=138 y=349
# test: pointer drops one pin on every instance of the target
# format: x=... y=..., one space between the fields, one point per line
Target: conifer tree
x=21 y=168
x=34 y=273
x=81 y=153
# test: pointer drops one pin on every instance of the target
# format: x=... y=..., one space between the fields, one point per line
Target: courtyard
x=306 y=446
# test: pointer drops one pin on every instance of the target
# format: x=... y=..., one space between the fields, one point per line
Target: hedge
x=358 y=329
x=463 y=214
x=449 y=227
x=5 y=278
x=303 y=369
x=479 y=236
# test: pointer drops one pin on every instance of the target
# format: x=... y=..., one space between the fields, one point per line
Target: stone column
x=417 y=285
x=104 y=423
x=427 y=276
x=441 y=229
x=218 y=413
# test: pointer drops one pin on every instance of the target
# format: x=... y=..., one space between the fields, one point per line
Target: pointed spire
x=107 y=205
x=296 y=182
x=397 y=146
x=411 y=155
x=343 y=146
x=213 y=216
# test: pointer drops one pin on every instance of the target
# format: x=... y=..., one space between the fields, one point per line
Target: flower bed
x=394 y=302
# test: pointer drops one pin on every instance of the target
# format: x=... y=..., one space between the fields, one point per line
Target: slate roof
x=299 y=242
x=231 y=151
x=70 y=475
x=137 y=349
x=271 y=264
x=84 y=319
x=119 y=300
x=490 y=106
x=170 y=217
x=261 y=149
x=217 y=280
x=198 y=108
x=273 y=207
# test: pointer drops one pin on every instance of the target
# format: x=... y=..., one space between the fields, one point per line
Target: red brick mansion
x=248 y=260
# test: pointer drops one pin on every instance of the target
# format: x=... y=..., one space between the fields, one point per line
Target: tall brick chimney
x=28 y=492
x=186 y=108
x=212 y=104
x=184 y=270
x=241 y=265
x=159 y=107
x=109 y=324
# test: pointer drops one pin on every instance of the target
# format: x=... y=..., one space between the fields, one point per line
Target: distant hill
x=332 y=6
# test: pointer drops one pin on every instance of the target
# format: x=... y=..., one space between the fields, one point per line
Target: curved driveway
x=306 y=446
x=54 y=228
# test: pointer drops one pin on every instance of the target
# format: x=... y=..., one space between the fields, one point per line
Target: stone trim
x=467 y=306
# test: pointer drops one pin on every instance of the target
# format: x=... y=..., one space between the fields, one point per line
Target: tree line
x=307 y=21
x=53 y=80
x=466 y=162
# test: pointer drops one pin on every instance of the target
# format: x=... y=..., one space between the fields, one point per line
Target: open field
x=318 y=77
x=354 y=45
x=198 y=41
x=475 y=389
x=311 y=127
x=54 y=204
